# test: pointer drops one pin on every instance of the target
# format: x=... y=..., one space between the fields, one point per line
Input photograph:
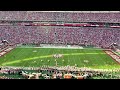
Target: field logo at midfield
x=58 y=55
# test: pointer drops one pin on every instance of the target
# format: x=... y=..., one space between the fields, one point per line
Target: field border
x=111 y=55
x=66 y=48
x=6 y=51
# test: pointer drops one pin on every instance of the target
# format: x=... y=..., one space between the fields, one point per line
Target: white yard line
x=43 y=60
x=46 y=59
x=19 y=56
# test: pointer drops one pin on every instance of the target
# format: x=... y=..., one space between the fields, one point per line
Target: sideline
x=113 y=55
x=67 y=48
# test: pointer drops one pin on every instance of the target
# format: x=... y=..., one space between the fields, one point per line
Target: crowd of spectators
x=60 y=16
x=98 y=37
x=51 y=73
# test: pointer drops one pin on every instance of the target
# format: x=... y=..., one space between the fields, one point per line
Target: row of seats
x=99 y=37
x=60 y=16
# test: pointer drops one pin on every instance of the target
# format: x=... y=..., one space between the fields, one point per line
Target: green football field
x=36 y=57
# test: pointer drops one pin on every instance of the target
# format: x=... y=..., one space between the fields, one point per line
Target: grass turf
x=27 y=57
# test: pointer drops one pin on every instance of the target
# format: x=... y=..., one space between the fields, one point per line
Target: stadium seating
x=60 y=35
x=60 y=16
x=99 y=37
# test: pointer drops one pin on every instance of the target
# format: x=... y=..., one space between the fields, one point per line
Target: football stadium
x=59 y=45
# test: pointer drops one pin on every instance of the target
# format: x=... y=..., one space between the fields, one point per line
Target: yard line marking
x=26 y=62
x=27 y=59
x=48 y=53
x=47 y=56
x=43 y=60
